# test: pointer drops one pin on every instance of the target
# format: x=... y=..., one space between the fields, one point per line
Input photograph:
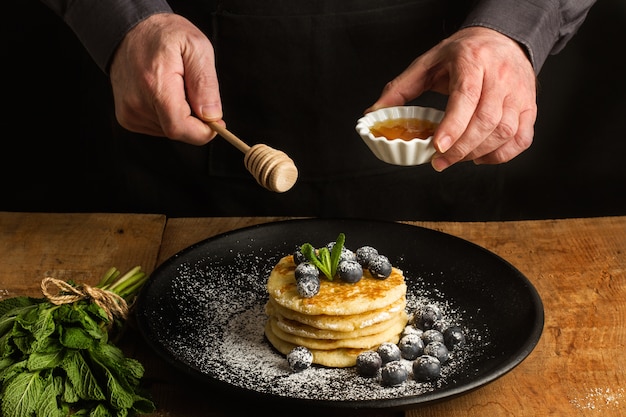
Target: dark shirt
x=543 y=27
x=296 y=75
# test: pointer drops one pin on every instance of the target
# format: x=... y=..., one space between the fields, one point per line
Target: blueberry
x=307 y=280
x=308 y=286
x=432 y=335
x=368 y=363
x=388 y=352
x=411 y=346
x=365 y=255
x=345 y=255
x=427 y=316
x=393 y=373
x=299 y=358
x=453 y=337
x=380 y=267
x=438 y=350
x=298 y=256
x=306 y=268
x=350 y=271
x=411 y=329
x=426 y=368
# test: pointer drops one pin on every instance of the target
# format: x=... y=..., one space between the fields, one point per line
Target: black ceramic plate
x=203 y=311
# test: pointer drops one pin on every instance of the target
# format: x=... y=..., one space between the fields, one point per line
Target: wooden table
x=578 y=266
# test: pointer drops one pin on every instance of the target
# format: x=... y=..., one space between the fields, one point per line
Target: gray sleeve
x=100 y=25
x=543 y=27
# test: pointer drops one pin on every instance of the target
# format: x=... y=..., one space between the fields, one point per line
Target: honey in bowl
x=404 y=128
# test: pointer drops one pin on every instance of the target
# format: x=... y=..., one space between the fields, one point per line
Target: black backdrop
x=57 y=113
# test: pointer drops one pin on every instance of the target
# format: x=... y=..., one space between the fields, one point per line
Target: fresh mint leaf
x=324 y=256
x=8 y=369
x=21 y=394
x=44 y=324
x=24 y=342
x=118 y=394
x=28 y=317
x=124 y=368
x=13 y=303
x=336 y=252
x=310 y=254
x=81 y=377
x=48 y=405
x=70 y=395
x=123 y=375
x=6 y=348
x=75 y=338
x=39 y=361
x=326 y=261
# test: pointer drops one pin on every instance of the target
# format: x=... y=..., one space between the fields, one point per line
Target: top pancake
x=335 y=297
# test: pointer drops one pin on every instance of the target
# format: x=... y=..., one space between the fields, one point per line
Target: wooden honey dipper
x=272 y=168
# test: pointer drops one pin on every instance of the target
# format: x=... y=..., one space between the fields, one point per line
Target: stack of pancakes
x=341 y=321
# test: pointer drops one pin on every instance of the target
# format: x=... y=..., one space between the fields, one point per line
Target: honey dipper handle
x=230 y=137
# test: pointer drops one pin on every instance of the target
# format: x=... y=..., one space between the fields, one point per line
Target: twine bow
x=60 y=292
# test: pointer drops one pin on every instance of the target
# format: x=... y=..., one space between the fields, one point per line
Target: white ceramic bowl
x=399 y=151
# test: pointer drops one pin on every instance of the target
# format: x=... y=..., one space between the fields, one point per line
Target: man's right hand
x=164 y=80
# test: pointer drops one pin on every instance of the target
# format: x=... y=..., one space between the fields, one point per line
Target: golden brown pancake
x=298 y=329
x=342 y=323
x=338 y=323
x=362 y=342
x=335 y=297
x=335 y=358
x=354 y=339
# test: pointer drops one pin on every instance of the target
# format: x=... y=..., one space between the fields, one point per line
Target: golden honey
x=404 y=128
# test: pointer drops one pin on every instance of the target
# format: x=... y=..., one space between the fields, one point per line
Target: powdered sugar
x=600 y=399
x=212 y=320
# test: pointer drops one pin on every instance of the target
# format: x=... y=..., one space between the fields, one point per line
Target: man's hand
x=491 y=84
x=164 y=80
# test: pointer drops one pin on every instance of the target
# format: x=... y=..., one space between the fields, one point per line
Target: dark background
x=55 y=156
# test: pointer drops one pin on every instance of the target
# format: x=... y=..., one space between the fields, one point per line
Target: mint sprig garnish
x=325 y=260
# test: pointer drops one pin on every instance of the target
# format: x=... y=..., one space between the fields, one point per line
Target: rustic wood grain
x=79 y=246
x=577 y=265
x=579 y=268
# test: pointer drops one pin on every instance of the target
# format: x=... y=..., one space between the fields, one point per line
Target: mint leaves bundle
x=56 y=356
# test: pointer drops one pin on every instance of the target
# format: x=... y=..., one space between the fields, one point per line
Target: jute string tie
x=60 y=292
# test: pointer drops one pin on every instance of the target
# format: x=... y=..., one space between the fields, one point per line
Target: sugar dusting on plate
x=217 y=329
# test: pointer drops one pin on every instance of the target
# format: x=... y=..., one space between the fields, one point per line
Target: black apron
x=296 y=75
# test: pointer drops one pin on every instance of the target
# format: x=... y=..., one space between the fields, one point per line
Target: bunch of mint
x=56 y=360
